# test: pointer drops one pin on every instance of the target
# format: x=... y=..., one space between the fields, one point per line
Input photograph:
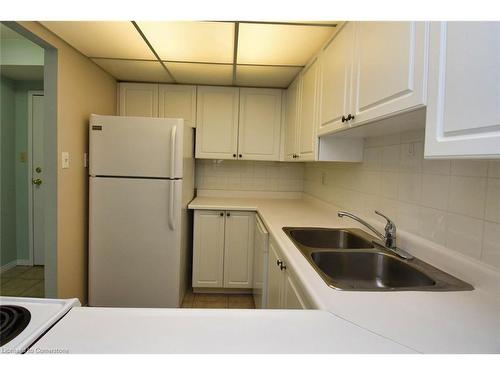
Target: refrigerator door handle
x=173 y=141
x=171 y=207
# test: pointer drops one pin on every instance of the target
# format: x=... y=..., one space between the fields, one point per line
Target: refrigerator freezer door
x=134 y=242
x=135 y=146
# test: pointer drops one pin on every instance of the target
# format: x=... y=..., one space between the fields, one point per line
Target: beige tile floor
x=218 y=301
x=23 y=281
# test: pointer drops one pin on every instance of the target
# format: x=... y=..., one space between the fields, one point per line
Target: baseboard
x=8 y=266
x=24 y=262
x=223 y=290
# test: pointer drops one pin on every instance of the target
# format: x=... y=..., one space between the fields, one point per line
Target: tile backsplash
x=455 y=203
x=249 y=175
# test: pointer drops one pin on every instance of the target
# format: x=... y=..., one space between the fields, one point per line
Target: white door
x=389 y=69
x=208 y=249
x=274 y=279
x=463 y=111
x=336 y=63
x=138 y=99
x=178 y=101
x=135 y=146
x=292 y=120
x=217 y=122
x=238 y=249
x=291 y=295
x=37 y=173
x=260 y=264
x=134 y=242
x=259 y=124
x=308 y=114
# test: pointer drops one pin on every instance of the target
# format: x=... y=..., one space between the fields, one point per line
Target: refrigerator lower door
x=134 y=242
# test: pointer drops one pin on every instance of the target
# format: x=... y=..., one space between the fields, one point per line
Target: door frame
x=50 y=83
x=31 y=94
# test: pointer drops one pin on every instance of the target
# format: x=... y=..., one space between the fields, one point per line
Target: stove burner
x=13 y=320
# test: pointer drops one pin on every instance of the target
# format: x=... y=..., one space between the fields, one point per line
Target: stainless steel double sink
x=351 y=259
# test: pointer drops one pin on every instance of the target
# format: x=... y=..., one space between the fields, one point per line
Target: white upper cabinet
x=138 y=99
x=463 y=110
x=217 y=122
x=259 y=124
x=292 y=120
x=335 y=79
x=177 y=101
x=389 y=70
x=306 y=140
x=371 y=71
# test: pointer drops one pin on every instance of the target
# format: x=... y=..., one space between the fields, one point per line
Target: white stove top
x=45 y=312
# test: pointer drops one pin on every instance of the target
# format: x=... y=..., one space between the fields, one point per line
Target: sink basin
x=368 y=271
x=351 y=259
x=328 y=238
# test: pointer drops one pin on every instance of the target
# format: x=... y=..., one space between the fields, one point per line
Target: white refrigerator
x=141 y=180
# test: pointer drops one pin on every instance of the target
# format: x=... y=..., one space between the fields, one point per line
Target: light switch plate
x=65 y=160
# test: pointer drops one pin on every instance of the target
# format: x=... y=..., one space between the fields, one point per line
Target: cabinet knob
x=221 y=214
x=228 y=214
x=234 y=155
x=282 y=267
x=350 y=117
x=241 y=156
x=344 y=119
x=279 y=262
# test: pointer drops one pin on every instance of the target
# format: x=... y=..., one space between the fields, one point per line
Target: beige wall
x=454 y=203
x=82 y=88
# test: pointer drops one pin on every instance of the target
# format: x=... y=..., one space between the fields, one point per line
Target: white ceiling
x=260 y=54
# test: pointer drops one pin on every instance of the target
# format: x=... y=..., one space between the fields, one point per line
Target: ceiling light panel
x=265 y=76
x=103 y=39
x=191 y=41
x=202 y=74
x=134 y=70
x=280 y=44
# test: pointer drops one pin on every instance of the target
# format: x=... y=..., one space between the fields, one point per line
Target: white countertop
x=428 y=322
x=130 y=330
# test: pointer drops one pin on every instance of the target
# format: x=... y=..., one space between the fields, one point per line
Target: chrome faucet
x=389 y=237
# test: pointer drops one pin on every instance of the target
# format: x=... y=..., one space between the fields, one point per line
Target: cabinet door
x=178 y=101
x=208 y=249
x=291 y=119
x=259 y=124
x=274 y=279
x=291 y=295
x=463 y=111
x=389 y=69
x=335 y=79
x=217 y=122
x=138 y=99
x=238 y=249
x=308 y=114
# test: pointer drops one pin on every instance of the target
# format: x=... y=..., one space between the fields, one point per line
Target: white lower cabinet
x=283 y=291
x=223 y=249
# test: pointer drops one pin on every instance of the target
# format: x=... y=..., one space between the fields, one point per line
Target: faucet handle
x=390 y=226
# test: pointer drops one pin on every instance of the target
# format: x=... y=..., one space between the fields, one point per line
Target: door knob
x=37 y=181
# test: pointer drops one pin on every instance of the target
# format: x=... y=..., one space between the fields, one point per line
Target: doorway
x=23 y=190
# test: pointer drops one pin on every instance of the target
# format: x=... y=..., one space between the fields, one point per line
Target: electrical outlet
x=324 y=179
x=65 y=159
